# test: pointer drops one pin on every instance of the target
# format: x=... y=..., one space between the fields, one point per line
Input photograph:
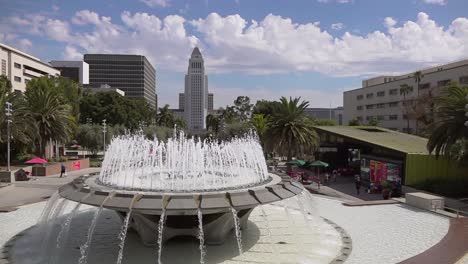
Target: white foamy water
x=183 y=164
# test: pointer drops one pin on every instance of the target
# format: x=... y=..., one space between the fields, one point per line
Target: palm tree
x=417 y=76
x=291 y=131
x=165 y=117
x=448 y=128
x=261 y=123
x=51 y=116
x=404 y=90
x=212 y=123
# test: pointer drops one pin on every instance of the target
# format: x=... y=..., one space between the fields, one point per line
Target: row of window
x=378 y=106
x=382 y=117
x=462 y=80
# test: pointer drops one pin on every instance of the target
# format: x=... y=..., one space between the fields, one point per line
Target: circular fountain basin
x=181 y=209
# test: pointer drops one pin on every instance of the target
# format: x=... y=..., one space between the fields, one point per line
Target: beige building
x=20 y=67
x=380 y=97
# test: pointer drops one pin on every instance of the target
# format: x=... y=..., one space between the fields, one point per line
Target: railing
x=456 y=211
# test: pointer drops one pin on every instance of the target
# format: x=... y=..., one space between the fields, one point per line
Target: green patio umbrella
x=318 y=163
x=296 y=162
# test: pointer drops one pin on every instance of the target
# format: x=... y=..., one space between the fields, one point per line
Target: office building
x=335 y=114
x=77 y=71
x=380 y=97
x=132 y=74
x=20 y=67
x=196 y=93
x=182 y=101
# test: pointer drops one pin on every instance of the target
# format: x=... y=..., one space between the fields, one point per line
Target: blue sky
x=263 y=49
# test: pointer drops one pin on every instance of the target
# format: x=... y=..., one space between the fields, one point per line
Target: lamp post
x=466 y=112
x=8 y=113
x=104 y=130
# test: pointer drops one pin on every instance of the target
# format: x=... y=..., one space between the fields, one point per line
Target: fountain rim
x=86 y=191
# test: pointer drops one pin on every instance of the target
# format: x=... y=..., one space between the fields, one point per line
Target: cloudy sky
x=260 y=48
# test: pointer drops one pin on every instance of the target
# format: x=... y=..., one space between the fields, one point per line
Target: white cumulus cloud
x=436 y=2
x=153 y=3
x=337 y=26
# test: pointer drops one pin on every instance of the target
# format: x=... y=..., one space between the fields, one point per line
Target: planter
x=386 y=194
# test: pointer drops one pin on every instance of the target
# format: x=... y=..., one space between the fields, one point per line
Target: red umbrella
x=75 y=146
x=36 y=161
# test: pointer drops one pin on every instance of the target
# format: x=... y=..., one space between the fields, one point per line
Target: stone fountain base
x=216 y=227
x=181 y=208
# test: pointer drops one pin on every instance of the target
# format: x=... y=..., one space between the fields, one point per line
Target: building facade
x=77 y=71
x=196 y=93
x=132 y=74
x=380 y=97
x=210 y=102
x=20 y=67
x=335 y=114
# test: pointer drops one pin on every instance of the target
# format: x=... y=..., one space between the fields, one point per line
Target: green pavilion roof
x=386 y=138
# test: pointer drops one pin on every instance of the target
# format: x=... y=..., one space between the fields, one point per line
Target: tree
x=243 y=107
x=116 y=109
x=291 y=132
x=265 y=107
x=52 y=117
x=405 y=90
x=90 y=137
x=354 y=122
x=324 y=122
x=212 y=123
x=165 y=117
x=448 y=128
x=229 y=114
x=373 y=122
x=180 y=123
x=261 y=123
x=417 y=76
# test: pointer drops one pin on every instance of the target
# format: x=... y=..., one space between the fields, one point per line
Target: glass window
x=424 y=86
x=17 y=79
x=393 y=92
x=360 y=97
x=393 y=117
x=380 y=105
x=369 y=95
x=17 y=65
x=380 y=117
x=381 y=93
x=359 y=107
x=393 y=104
x=369 y=106
x=464 y=80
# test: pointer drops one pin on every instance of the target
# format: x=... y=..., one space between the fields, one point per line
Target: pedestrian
x=63 y=170
x=357 y=180
x=327 y=178
x=334 y=174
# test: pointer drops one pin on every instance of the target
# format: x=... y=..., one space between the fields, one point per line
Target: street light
x=466 y=112
x=8 y=113
x=104 y=130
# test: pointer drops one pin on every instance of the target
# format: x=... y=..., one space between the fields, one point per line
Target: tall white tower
x=196 y=93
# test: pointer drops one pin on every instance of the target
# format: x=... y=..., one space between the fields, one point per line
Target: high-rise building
x=181 y=101
x=381 y=98
x=196 y=93
x=210 y=102
x=132 y=74
x=77 y=71
x=20 y=67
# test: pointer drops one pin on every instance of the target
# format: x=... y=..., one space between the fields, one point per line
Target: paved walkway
x=36 y=189
x=450 y=249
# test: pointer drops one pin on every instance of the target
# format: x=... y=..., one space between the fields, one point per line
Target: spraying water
x=63 y=234
x=123 y=231
x=237 y=228
x=49 y=226
x=201 y=236
x=182 y=164
x=84 y=249
x=162 y=219
x=46 y=212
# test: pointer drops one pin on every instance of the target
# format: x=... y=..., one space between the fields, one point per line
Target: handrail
x=457 y=211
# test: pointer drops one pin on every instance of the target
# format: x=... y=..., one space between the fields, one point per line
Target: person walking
x=63 y=170
x=357 y=181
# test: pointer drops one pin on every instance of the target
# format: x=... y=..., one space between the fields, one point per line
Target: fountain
x=179 y=180
x=172 y=193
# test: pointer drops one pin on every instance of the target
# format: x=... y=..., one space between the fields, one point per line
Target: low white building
x=380 y=97
x=20 y=67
